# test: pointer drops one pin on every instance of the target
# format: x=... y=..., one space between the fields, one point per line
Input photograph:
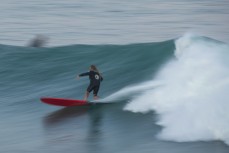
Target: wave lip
x=192 y=103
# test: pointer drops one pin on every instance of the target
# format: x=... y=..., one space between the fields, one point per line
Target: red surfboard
x=64 y=102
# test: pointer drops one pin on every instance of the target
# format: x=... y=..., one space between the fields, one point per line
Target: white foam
x=193 y=102
x=128 y=92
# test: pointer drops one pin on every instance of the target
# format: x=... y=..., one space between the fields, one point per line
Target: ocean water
x=111 y=22
x=165 y=68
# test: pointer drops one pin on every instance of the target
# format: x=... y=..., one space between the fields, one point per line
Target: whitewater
x=189 y=94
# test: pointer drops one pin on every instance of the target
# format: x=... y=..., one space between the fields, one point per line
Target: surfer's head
x=94 y=68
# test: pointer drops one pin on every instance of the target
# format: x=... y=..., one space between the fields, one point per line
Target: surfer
x=95 y=79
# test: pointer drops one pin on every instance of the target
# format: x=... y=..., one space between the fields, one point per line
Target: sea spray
x=193 y=100
x=131 y=91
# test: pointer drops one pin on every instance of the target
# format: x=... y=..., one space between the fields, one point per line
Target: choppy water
x=166 y=94
x=113 y=22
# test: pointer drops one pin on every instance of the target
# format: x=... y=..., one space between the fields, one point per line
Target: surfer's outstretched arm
x=83 y=74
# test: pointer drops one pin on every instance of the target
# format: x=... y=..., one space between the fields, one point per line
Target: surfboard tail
x=63 y=101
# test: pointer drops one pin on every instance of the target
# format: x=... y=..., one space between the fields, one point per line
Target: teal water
x=128 y=123
x=167 y=89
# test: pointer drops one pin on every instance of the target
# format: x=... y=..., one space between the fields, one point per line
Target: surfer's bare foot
x=96 y=97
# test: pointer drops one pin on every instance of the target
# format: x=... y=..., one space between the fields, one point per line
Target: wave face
x=29 y=73
x=192 y=99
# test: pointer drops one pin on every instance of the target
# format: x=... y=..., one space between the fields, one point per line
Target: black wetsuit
x=95 y=80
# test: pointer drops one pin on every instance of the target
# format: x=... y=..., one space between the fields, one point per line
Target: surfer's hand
x=78 y=77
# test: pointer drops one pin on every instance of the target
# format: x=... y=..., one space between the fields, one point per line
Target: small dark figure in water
x=38 y=41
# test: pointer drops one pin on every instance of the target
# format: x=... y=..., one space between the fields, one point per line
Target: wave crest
x=192 y=103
